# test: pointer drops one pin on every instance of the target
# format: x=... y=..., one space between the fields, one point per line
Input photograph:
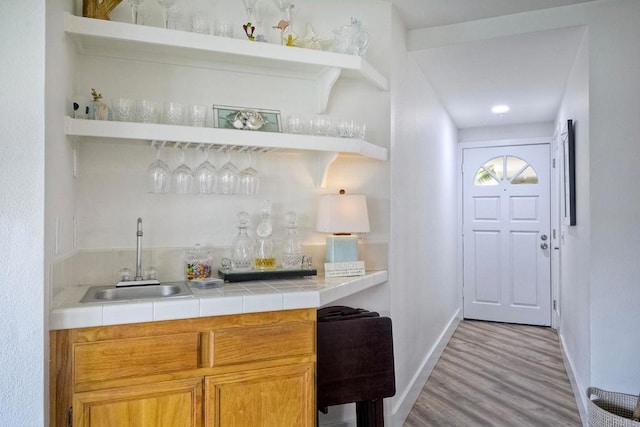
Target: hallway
x=497 y=374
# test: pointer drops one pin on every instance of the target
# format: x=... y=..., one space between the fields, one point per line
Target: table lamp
x=341 y=215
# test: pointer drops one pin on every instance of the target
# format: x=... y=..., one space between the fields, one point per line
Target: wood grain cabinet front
x=242 y=370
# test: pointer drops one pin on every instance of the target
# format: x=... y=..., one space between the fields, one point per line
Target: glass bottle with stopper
x=242 y=253
x=265 y=258
x=292 y=245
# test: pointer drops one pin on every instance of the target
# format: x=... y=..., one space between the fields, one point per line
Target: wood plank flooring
x=497 y=374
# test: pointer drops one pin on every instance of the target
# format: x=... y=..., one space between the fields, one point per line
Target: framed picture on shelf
x=242 y=118
x=569 y=165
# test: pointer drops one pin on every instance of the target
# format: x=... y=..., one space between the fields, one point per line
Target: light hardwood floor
x=496 y=374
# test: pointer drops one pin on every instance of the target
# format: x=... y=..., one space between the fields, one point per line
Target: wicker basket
x=609 y=409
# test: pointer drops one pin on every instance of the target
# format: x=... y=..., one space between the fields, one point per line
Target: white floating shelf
x=171 y=46
x=255 y=140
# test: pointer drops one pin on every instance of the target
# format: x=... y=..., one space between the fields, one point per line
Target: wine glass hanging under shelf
x=218 y=148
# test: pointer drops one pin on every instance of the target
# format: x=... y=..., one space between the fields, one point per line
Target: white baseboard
x=410 y=394
x=579 y=391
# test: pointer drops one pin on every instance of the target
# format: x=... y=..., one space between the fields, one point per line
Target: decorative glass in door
x=505 y=168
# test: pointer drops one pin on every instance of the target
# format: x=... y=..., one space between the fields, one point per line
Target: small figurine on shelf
x=98 y=110
x=249 y=29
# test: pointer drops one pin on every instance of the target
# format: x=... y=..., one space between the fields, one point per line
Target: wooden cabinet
x=262 y=397
x=171 y=403
x=243 y=370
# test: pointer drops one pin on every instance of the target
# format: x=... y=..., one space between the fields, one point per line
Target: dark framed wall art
x=569 y=143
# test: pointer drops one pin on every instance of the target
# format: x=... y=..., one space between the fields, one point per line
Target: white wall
x=493 y=133
x=422 y=268
x=22 y=292
x=614 y=88
x=574 y=301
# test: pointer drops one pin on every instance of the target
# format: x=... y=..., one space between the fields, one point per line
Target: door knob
x=543 y=245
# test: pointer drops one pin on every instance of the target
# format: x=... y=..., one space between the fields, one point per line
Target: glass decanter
x=291 y=245
x=264 y=251
x=98 y=110
x=242 y=253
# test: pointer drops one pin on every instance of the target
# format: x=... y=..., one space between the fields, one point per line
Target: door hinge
x=70 y=417
x=555 y=305
x=554 y=163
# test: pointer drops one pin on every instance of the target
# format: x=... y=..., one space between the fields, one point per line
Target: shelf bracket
x=319 y=166
x=325 y=83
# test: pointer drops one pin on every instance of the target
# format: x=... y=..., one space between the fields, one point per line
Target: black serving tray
x=245 y=276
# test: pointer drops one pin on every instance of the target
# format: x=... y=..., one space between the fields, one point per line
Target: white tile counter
x=231 y=298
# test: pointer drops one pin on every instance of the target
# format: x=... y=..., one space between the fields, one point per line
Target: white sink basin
x=111 y=293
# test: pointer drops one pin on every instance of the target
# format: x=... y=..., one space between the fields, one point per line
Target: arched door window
x=505 y=168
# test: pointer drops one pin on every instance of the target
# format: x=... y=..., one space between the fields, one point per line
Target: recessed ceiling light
x=500 y=109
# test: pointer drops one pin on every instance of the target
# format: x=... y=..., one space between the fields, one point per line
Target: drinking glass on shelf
x=228 y=177
x=197 y=115
x=199 y=23
x=166 y=4
x=362 y=130
x=320 y=125
x=205 y=174
x=346 y=128
x=134 y=10
x=223 y=29
x=248 y=179
x=158 y=174
x=182 y=177
x=124 y=109
x=295 y=124
x=147 y=111
x=173 y=113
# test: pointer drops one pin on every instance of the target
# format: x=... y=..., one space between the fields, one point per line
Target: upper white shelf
x=128 y=40
x=221 y=137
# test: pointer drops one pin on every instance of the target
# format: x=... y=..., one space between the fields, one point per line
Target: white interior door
x=506 y=223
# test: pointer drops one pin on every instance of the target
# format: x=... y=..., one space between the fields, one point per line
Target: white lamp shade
x=342 y=213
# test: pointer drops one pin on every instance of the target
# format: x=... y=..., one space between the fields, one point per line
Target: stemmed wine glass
x=248 y=179
x=205 y=174
x=250 y=26
x=158 y=174
x=134 y=10
x=228 y=176
x=166 y=4
x=287 y=35
x=182 y=177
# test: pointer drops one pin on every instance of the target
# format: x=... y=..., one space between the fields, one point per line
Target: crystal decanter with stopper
x=242 y=255
x=291 y=245
x=264 y=252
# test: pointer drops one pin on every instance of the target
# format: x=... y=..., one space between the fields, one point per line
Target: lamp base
x=342 y=248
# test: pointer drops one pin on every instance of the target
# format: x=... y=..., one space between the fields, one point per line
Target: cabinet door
x=173 y=404
x=271 y=397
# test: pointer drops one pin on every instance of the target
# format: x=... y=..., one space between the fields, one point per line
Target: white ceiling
x=432 y=13
x=528 y=72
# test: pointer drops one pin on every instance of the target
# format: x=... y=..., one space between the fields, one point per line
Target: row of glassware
x=349 y=39
x=176 y=113
x=322 y=125
x=147 y=111
x=205 y=179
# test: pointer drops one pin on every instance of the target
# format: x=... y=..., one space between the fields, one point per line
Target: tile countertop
x=231 y=298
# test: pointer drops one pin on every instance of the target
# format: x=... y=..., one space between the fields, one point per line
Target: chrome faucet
x=139 y=251
x=138 y=279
